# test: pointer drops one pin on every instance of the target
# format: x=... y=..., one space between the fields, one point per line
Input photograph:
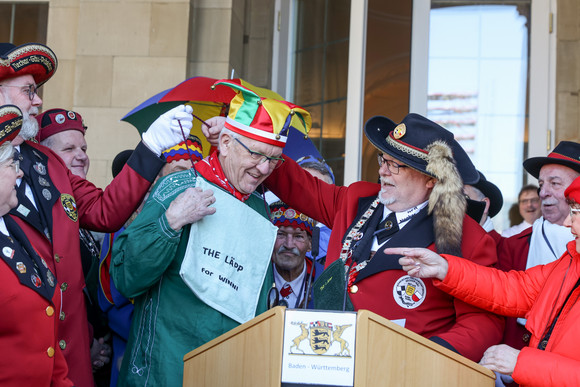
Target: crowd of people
x=117 y=292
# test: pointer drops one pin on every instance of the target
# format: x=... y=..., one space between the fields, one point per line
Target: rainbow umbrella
x=208 y=101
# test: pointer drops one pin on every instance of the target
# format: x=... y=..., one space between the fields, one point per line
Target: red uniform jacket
x=456 y=325
x=68 y=202
x=538 y=294
x=28 y=327
x=512 y=254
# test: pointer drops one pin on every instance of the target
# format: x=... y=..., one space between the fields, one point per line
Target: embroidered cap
x=10 y=122
x=180 y=152
x=282 y=215
x=32 y=58
x=54 y=121
x=566 y=153
x=263 y=119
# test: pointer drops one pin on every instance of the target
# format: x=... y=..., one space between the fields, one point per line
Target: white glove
x=165 y=132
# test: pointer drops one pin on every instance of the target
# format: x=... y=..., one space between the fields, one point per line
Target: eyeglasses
x=29 y=89
x=261 y=158
x=530 y=201
x=391 y=165
x=574 y=212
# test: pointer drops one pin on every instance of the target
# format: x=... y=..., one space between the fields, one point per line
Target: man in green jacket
x=196 y=260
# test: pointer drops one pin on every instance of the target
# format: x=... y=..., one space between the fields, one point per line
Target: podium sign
x=319 y=347
x=272 y=350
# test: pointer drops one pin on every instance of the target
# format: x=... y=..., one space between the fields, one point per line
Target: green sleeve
x=143 y=252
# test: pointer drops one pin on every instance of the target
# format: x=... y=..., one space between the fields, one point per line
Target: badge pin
x=40 y=168
x=8 y=252
x=36 y=281
x=71 y=115
x=399 y=131
x=43 y=182
x=50 y=278
x=46 y=193
x=43 y=262
x=358 y=236
x=21 y=267
x=388 y=225
x=59 y=118
x=23 y=210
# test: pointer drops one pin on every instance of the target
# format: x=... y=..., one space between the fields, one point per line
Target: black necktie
x=387 y=228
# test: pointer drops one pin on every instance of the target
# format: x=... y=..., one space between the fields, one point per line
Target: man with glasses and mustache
x=418 y=202
x=209 y=260
x=546 y=240
x=54 y=202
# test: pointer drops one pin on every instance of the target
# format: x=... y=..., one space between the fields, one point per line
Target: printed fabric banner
x=227 y=256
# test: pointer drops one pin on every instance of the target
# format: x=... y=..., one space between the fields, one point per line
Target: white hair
x=6 y=152
x=228 y=132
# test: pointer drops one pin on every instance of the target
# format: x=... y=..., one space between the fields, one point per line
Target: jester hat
x=261 y=118
x=182 y=150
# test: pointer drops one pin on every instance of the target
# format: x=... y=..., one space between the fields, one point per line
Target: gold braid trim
x=406 y=149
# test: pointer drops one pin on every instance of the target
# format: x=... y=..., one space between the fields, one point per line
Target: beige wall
x=112 y=56
x=568 y=71
x=115 y=54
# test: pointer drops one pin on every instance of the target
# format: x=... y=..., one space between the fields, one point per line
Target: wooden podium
x=386 y=355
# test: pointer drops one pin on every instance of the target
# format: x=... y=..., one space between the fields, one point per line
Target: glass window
x=478 y=85
x=320 y=74
x=387 y=74
x=23 y=22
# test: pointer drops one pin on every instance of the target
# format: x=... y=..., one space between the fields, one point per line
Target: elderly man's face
x=14 y=91
x=405 y=190
x=553 y=181
x=241 y=170
x=290 y=250
x=71 y=146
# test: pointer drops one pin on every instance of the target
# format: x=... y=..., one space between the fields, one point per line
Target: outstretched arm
x=422 y=263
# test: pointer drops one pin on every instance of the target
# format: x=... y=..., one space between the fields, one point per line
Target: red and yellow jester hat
x=263 y=119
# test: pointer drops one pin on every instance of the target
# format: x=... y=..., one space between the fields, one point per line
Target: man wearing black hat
x=546 y=240
x=419 y=201
x=55 y=202
x=486 y=202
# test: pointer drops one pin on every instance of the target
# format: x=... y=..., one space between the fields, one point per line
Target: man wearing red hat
x=547 y=295
x=546 y=240
x=58 y=202
x=188 y=249
x=63 y=131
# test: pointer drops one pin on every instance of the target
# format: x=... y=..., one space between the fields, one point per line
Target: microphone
x=314 y=252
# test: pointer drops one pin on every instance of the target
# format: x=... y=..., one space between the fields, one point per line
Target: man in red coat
x=54 y=203
x=546 y=240
x=419 y=202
